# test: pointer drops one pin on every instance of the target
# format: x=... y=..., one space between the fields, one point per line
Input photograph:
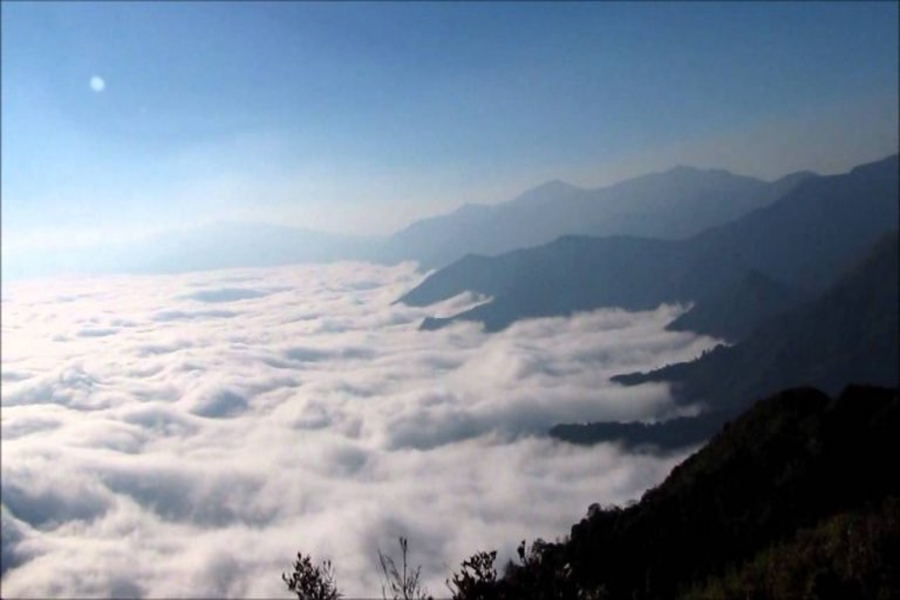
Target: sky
x=177 y=436
x=125 y=118
x=156 y=427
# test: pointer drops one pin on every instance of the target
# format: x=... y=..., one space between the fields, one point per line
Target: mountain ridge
x=787 y=463
x=783 y=502
x=849 y=333
x=670 y=204
x=810 y=234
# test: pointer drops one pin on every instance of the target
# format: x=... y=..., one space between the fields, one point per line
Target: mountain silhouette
x=219 y=245
x=670 y=205
x=575 y=274
x=740 y=308
x=851 y=333
x=805 y=239
x=794 y=461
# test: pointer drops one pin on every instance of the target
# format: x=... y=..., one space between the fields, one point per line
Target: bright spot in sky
x=97 y=83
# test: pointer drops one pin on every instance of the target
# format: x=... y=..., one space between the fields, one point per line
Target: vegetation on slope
x=849 y=333
x=796 y=498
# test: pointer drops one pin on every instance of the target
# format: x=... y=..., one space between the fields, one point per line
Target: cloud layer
x=187 y=435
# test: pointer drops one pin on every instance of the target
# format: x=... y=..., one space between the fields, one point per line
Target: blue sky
x=362 y=117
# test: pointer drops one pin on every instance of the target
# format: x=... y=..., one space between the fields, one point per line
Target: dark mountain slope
x=806 y=238
x=577 y=274
x=791 y=461
x=850 y=333
x=740 y=308
x=800 y=485
x=818 y=229
x=634 y=435
x=851 y=554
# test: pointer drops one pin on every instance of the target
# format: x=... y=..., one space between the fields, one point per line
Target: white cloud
x=187 y=435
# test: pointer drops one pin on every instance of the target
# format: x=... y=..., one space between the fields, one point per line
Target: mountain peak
x=685 y=170
x=682 y=169
x=547 y=191
x=554 y=184
x=472 y=208
x=797 y=175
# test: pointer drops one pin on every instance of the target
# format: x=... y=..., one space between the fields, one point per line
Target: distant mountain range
x=230 y=245
x=575 y=274
x=221 y=245
x=655 y=230
x=851 y=333
x=739 y=308
x=675 y=204
x=791 y=248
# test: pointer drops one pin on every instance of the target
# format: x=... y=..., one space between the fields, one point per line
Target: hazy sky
x=120 y=118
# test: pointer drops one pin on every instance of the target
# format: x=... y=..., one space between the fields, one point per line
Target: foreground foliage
x=851 y=555
x=310 y=581
x=796 y=499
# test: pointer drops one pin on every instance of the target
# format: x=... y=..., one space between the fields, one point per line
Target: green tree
x=477 y=579
x=312 y=582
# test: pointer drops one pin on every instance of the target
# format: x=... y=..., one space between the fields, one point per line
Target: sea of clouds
x=186 y=435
